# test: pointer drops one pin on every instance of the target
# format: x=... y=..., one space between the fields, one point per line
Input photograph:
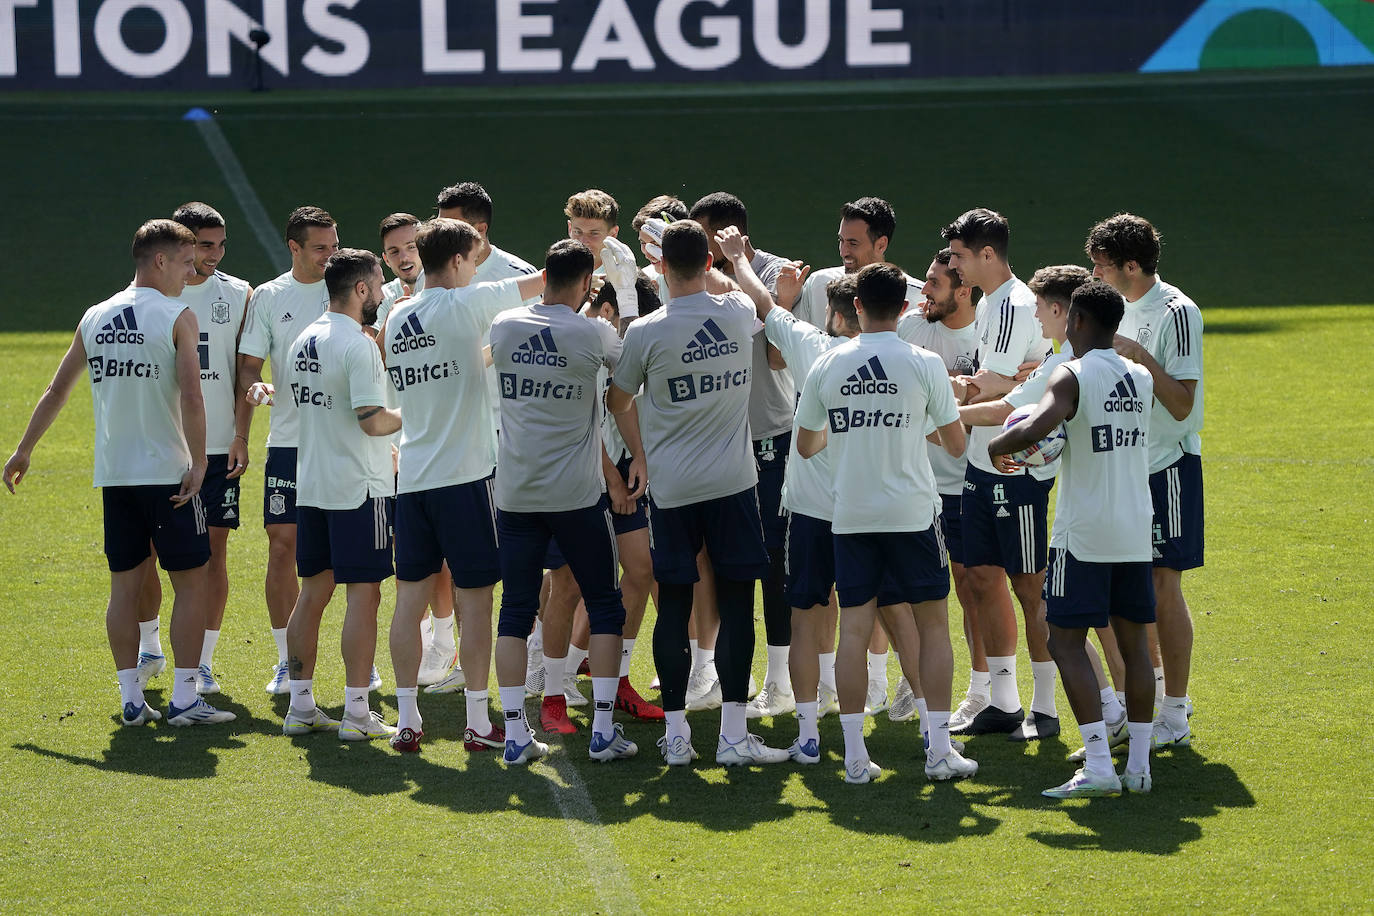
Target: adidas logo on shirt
x=539 y=350
x=122 y=328
x=870 y=379
x=1124 y=398
x=708 y=342
x=287 y=318
x=308 y=358
x=411 y=336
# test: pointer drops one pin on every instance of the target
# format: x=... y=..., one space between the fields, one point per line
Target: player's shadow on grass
x=161 y=751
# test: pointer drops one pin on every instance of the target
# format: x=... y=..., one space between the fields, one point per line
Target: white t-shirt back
x=280 y=310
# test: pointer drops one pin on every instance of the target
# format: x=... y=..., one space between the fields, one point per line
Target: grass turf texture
x=1268 y=811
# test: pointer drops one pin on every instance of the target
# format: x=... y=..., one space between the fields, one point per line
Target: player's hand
x=238 y=458
x=15 y=469
x=964 y=388
x=732 y=243
x=1024 y=370
x=621 y=273
x=790 y=280
x=190 y=485
x=638 y=477
x=261 y=393
x=1005 y=463
x=619 y=495
x=1128 y=348
x=396 y=457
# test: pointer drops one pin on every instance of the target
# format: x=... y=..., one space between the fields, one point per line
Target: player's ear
x=615 y=232
x=880 y=246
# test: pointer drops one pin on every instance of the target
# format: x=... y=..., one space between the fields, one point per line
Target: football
x=1043 y=452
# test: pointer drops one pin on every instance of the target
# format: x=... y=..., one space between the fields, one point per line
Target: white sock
x=513 y=705
x=355 y=702
x=603 y=704
x=183 y=687
x=1002 y=690
x=554 y=669
x=1042 y=695
x=129 y=689
x=207 y=648
x=443 y=633
x=702 y=657
x=1138 y=760
x=828 y=669
x=1120 y=697
x=877 y=667
x=777 y=671
x=675 y=721
x=479 y=709
x=302 y=695
x=694 y=646
x=149 y=638
x=426 y=633
x=938 y=736
x=808 y=729
x=924 y=713
x=1112 y=710
x=279 y=637
x=1159 y=685
x=1098 y=758
x=409 y=710
x=1175 y=712
x=732 y=718
x=852 y=723
x=980 y=685
x=627 y=651
x=576 y=657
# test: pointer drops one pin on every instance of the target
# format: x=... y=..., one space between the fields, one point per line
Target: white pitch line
x=248 y=199
x=588 y=834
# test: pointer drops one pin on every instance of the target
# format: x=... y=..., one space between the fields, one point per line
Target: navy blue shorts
x=952 y=524
x=810 y=563
x=727 y=526
x=637 y=519
x=770 y=457
x=892 y=567
x=457 y=524
x=136 y=517
x=354 y=543
x=1004 y=520
x=279 y=487
x=219 y=494
x=1081 y=595
x=1176 y=493
x=586 y=537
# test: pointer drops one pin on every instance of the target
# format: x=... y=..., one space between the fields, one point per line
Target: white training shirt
x=547 y=359
x=808 y=486
x=812 y=302
x=219 y=304
x=393 y=290
x=874 y=396
x=280 y=310
x=773 y=397
x=1009 y=334
x=139 y=439
x=1169 y=325
x=434 y=357
x=1103 y=513
x=1031 y=391
x=693 y=357
x=501 y=265
x=336 y=368
x=958 y=348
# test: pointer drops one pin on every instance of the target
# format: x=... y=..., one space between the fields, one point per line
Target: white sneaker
x=616 y=747
x=521 y=754
x=903 y=703
x=281 y=675
x=827 y=701
x=149 y=667
x=678 y=751
x=703 y=690
x=351 y=729
x=1138 y=783
x=198 y=713
x=1087 y=785
x=953 y=765
x=138 y=715
x=317 y=720
x=748 y=751
x=861 y=771
x=877 y=700
x=375 y=682
x=452 y=682
x=1163 y=735
x=435 y=665
x=808 y=752
x=534 y=678
x=205 y=681
x=963 y=717
x=571 y=693
x=773 y=700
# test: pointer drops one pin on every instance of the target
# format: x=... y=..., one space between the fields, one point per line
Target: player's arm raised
x=732 y=245
x=1059 y=403
x=186 y=337
x=47 y=409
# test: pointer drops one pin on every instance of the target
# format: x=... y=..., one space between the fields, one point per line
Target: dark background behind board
x=1260 y=185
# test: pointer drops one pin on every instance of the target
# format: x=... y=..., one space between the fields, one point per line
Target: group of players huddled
x=594 y=433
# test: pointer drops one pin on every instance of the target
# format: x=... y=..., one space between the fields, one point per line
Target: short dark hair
x=980 y=228
x=1125 y=237
x=302 y=218
x=346 y=267
x=1101 y=301
x=721 y=209
x=685 y=248
x=1057 y=283
x=647 y=294
x=876 y=213
x=197 y=216
x=567 y=261
x=396 y=221
x=469 y=198
x=945 y=258
x=841 y=292
x=656 y=208
x=160 y=235
x=439 y=239
x=881 y=288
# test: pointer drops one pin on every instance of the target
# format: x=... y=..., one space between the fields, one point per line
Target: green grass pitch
x=1262 y=192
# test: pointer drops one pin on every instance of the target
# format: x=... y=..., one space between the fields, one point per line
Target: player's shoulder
x=819 y=278
x=1173 y=299
x=235 y=283
x=512 y=265
x=1020 y=295
x=275 y=286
